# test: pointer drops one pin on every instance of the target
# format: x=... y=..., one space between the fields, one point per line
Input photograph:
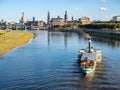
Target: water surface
x=49 y=62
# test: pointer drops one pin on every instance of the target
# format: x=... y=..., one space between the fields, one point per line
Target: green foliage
x=106 y=35
x=101 y=25
x=68 y=25
x=55 y=26
x=1 y=33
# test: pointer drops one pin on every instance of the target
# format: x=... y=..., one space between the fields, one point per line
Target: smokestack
x=89 y=45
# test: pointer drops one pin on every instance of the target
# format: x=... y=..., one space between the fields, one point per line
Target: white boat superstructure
x=88 y=58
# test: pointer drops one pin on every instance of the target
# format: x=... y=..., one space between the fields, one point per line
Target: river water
x=49 y=62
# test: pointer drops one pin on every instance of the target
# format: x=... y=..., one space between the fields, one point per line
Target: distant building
x=35 y=24
x=72 y=19
x=23 y=19
x=66 y=16
x=57 y=21
x=8 y=23
x=116 y=18
x=48 y=18
x=40 y=24
x=84 y=20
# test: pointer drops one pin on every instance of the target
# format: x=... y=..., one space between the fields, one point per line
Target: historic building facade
x=57 y=21
x=116 y=18
x=23 y=19
x=63 y=21
x=35 y=24
x=38 y=25
x=84 y=20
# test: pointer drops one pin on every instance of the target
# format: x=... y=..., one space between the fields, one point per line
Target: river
x=49 y=62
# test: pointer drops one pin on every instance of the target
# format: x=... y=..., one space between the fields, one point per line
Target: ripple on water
x=40 y=66
x=106 y=78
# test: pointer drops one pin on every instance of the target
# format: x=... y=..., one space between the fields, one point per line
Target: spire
x=72 y=19
x=66 y=16
x=33 y=22
x=23 y=14
x=33 y=19
x=48 y=18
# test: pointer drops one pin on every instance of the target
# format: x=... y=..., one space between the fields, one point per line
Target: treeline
x=68 y=25
x=101 y=25
x=90 y=26
x=5 y=27
x=105 y=35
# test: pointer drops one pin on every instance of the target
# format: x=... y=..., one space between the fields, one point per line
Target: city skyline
x=96 y=10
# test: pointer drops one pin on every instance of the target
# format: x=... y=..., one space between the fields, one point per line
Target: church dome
x=23 y=19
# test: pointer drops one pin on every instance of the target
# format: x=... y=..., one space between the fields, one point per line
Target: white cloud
x=76 y=9
x=103 y=9
x=103 y=0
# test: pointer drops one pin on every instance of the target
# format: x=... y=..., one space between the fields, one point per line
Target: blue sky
x=94 y=9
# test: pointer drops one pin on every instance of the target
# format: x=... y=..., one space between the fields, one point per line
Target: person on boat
x=83 y=62
x=91 y=49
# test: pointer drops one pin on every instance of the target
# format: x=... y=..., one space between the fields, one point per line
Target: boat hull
x=88 y=70
x=96 y=56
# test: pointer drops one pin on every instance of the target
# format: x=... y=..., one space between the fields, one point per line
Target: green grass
x=10 y=39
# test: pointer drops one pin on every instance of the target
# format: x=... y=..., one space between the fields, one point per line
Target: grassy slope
x=10 y=39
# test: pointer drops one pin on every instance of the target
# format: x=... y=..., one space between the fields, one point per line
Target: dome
x=23 y=19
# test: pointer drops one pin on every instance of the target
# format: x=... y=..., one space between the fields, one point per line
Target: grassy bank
x=10 y=39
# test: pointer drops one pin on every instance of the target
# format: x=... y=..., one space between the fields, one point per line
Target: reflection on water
x=52 y=35
x=49 y=62
x=113 y=43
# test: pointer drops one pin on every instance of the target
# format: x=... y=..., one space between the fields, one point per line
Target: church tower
x=33 y=19
x=23 y=19
x=66 y=16
x=72 y=19
x=48 y=18
x=33 y=22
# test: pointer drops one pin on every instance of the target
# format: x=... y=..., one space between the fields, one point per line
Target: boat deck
x=89 y=56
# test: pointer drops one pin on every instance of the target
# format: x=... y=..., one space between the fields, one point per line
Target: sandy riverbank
x=13 y=38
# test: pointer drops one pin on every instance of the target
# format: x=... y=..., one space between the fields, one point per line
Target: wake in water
x=105 y=77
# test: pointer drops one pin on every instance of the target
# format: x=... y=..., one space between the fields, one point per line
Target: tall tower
x=33 y=22
x=48 y=18
x=66 y=16
x=33 y=19
x=72 y=19
x=23 y=19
